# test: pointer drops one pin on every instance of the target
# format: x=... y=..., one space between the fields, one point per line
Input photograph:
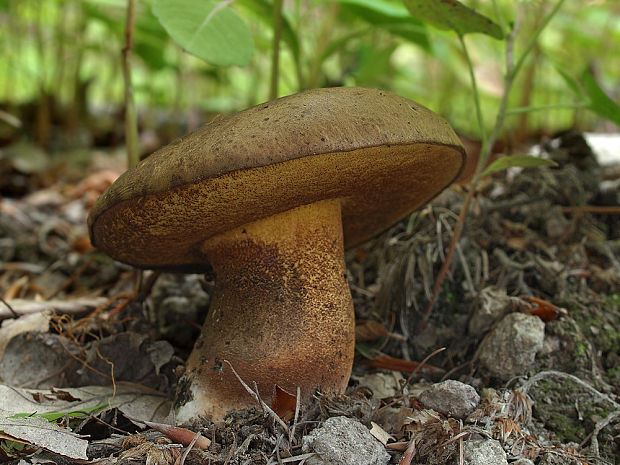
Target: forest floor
x=528 y=320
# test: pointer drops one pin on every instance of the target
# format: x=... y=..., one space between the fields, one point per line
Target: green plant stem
x=500 y=17
x=487 y=143
x=324 y=37
x=512 y=70
x=554 y=106
x=530 y=45
x=474 y=85
x=131 y=118
x=275 y=57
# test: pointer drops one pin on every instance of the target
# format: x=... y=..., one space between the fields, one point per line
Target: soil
x=536 y=241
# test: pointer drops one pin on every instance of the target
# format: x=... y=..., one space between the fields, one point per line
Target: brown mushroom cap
x=382 y=154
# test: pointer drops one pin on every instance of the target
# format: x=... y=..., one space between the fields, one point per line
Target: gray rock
x=484 y=452
x=509 y=349
x=343 y=441
x=451 y=397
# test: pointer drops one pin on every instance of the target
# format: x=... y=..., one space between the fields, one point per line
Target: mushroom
x=267 y=199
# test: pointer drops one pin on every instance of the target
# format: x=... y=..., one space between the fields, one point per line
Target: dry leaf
x=47 y=435
x=283 y=403
x=380 y=434
x=369 y=330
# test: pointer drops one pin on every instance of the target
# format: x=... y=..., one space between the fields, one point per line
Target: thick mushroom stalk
x=281 y=313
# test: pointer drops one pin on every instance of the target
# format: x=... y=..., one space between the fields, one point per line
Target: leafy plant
x=208 y=29
x=452 y=15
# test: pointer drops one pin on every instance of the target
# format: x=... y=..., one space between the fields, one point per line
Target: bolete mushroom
x=268 y=199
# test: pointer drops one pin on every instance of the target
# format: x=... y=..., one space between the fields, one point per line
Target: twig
x=189 y=448
x=131 y=118
x=297 y=458
x=458 y=227
x=422 y=363
x=559 y=374
x=593 y=209
x=597 y=429
x=291 y=438
x=13 y=312
x=76 y=274
x=260 y=401
x=24 y=306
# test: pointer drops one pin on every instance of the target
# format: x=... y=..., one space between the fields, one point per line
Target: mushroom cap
x=383 y=155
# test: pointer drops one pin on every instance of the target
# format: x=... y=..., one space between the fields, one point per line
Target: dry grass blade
x=260 y=401
x=291 y=438
x=181 y=460
x=422 y=363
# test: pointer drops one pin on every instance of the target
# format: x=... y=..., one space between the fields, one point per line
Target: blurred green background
x=61 y=81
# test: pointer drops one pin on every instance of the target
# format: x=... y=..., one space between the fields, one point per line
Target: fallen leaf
x=380 y=434
x=544 y=310
x=283 y=404
x=135 y=401
x=369 y=330
x=48 y=435
x=399 y=446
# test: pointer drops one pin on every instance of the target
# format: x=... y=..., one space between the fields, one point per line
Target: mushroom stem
x=281 y=313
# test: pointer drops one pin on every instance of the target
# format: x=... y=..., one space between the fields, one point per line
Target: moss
x=613 y=300
x=581 y=350
x=567 y=409
x=566 y=431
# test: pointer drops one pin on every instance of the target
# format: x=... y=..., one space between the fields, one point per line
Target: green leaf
x=149 y=41
x=524 y=161
x=341 y=42
x=373 y=65
x=570 y=81
x=208 y=29
x=600 y=103
x=453 y=15
x=392 y=17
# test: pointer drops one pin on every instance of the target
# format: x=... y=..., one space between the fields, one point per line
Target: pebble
x=510 y=348
x=484 y=452
x=451 y=398
x=522 y=461
x=343 y=441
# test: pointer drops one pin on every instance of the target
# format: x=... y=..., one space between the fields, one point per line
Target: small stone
x=343 y=441
x=522 y=462
x=510 y=349
x=484 y=452
x=451 y=398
